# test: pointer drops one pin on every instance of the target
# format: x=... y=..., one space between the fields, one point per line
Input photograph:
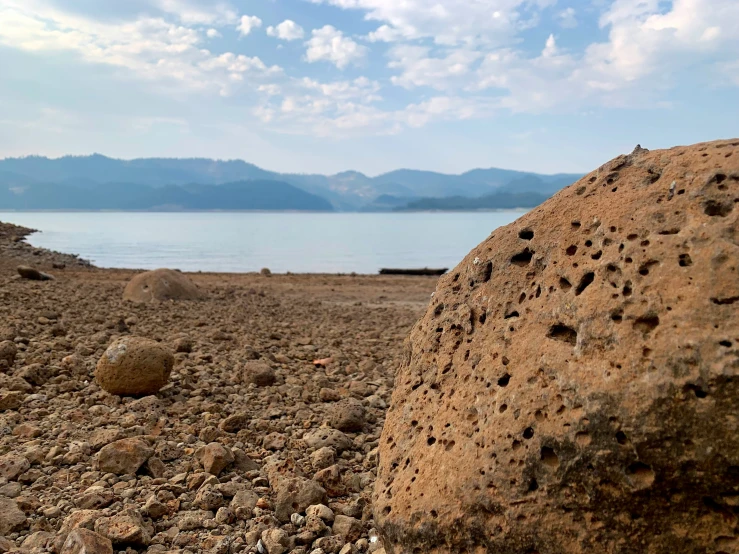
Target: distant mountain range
x=98 y=182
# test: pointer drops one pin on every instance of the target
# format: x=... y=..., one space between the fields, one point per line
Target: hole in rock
x=576 y=224
x=533 y=485
x=597 y=255
x=726 y=343
x=621 y=438
x=718 y=179
x=526 y=234
x=647 y=323
x=685 y=260
x=487 y=272
x=640 y=474
x=563 y=333
x=431 y=441
x=585 y=282
x=725 y=301
x=503 y=408
x=522 y=258
x=673 y=231
x=510 y=315
x=503 y=381
x=714 y=208
x=549 y=458
x=571 y=250
x=697 y=390
x=645 y=268
x=528 y=432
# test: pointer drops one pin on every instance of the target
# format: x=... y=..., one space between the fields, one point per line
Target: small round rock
x=134 y=366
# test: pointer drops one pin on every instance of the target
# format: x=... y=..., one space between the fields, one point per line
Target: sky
x=370 y=85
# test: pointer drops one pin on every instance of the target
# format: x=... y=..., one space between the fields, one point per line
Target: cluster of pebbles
x=238 y=442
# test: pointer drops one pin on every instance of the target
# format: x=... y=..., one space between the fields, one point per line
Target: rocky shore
x=219 y=460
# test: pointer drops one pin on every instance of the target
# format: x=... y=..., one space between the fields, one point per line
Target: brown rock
x=134 y=366
x=574 y=383
x=160 y=285
x=126 y=528
x=347 y=527
x=37 y=542
x=215 y=458
x=12 y=517
x=329 y=395
x=183 y=345
x=35 y=374
x=331 y=438
x=276 y=541
x=124 y=456
x=295 y=495
x=347 y=415
x=33 y=274
x=258 y=373
x=208 y=498
x=84 y=541
x=12 y=465
x=245 y=500
x=10 y=400
x=8 y=351
x=235 y=423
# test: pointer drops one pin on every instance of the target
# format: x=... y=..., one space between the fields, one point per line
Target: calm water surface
x=247 y=241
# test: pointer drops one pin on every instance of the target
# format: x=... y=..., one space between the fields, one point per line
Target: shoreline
x=13 y=242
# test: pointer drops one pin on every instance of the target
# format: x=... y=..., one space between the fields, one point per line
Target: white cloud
x=191 y=12
x=247 y=24
x=567 y=18
x=449 y=22
x=385 y=33
x=550 y=48
x=419 y=69
x=330 y=44
x=149 y=49
x=213 y=33
x=287 y=30
x=644 y=40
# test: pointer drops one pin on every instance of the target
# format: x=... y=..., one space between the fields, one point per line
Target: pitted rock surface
x=573 y=386
x=134 y=366
x=160 y=285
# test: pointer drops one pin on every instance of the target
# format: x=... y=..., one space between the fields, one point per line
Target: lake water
x=248 y=241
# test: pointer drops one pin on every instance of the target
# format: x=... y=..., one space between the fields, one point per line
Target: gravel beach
x=222 y=459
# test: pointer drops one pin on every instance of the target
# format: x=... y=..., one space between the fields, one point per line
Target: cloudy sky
x=373 y=85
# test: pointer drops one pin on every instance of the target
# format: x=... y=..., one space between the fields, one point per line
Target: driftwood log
x=424 y=271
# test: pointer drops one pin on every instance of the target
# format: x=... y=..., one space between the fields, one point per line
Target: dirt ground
x=284 y=441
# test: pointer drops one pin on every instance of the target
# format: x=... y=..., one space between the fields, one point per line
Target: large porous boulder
x=134 y=366
x=161 y=284
x=574 y=383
